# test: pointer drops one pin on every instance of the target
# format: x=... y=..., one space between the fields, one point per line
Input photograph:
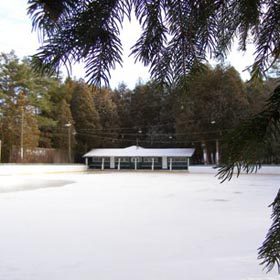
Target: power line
x=156 y=134
x=127 y=128
x=145 y=141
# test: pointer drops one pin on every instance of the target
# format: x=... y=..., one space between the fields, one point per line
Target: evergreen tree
x=151 y=114
x=108 y=114
x=122 y=98
x=18 y=76
x=211 y=103
x=18 y=109
x=60 y=136
x=19 y=126
x=57 y=113
x=85 y=116
x=145 y=114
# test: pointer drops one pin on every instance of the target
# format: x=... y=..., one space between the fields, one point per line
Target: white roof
x=137 y=151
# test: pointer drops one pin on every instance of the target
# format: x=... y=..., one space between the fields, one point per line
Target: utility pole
x=204 y=151
x=21 y=133
x=137 y=136
x=217 y=156
x=68 y=125
x=217 y=152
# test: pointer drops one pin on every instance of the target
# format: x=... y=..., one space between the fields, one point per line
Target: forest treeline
x=35 y=111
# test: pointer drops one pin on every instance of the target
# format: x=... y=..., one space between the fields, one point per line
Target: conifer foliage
x=176 y=34
x=269 y=253
x=247 y=145
x=85 y=116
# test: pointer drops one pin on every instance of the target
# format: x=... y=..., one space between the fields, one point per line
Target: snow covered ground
x=133 y=226
x=28 y=169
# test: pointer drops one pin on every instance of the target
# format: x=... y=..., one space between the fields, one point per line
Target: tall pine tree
x=86 y=117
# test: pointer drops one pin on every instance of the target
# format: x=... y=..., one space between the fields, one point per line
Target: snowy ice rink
x=133 y=226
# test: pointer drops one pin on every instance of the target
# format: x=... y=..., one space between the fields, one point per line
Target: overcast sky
x=16 y=34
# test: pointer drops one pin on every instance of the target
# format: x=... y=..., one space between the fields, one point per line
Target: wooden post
x=153 y=164
x=86 y=161
x=102 y=165
x=112 y=162
x=21 y=133
x=68 y=125
x=164 y=163
x=188 y=163
x=135 y=163
x=217 y=152
x=119 y=164
x=205 y=155
x=170 y=164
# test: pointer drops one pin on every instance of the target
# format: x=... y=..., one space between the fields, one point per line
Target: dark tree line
x=205 y=106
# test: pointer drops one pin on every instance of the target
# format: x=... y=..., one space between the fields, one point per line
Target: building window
x=179 y=159
x=149 y=159
x=138 y=159
x=99 y=159
x=122 y=159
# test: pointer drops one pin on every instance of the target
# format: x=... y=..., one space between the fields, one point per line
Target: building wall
x=141 y=163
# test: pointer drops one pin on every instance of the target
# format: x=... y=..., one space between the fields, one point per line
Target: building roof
x=137 y=151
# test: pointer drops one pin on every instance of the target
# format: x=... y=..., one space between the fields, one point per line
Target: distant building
x=136 y=157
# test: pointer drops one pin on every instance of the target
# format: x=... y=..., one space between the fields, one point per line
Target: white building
x=136 y=157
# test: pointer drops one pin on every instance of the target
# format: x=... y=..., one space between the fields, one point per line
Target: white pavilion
x=136 y=157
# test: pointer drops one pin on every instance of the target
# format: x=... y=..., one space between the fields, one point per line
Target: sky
x=16 y=34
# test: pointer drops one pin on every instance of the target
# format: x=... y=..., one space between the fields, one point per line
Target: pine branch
x=245 y=148
x=269 y=252
x=180 y=32
x=91 y=35
x=267 y=40
x=47 y=15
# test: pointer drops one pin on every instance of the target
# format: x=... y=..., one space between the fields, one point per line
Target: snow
x=24 y=169
x=133 y=225
x=211 y=169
